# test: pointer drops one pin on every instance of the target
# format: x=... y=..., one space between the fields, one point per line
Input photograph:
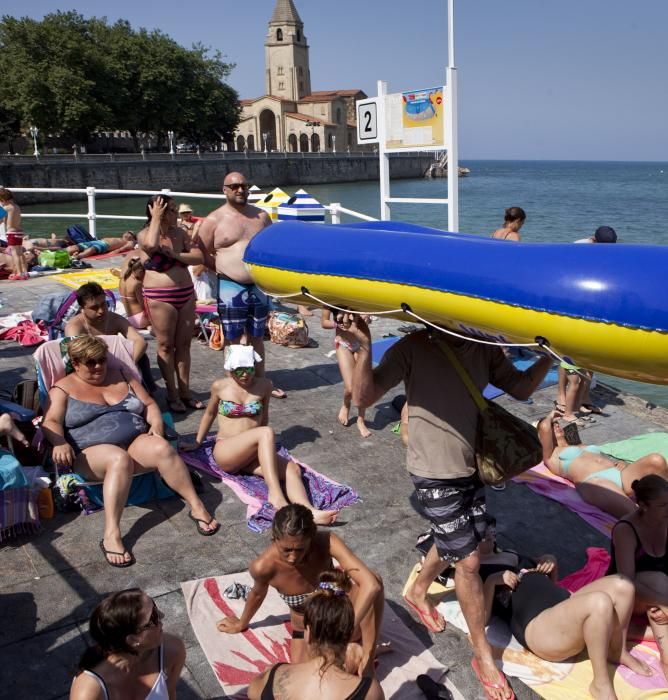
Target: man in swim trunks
x=100 y=246
x=443 y=421
x=224 y=236
x=11 y=217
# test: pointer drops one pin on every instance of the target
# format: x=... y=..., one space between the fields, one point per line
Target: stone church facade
x=290 y=116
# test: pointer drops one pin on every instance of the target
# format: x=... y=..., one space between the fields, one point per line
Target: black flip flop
x=433 y=690
x=124 y=565
x=202 y=531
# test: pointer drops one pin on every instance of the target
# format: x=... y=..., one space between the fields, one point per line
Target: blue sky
x=574 y=79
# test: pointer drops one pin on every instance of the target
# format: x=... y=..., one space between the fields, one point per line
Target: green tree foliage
x=74 y=76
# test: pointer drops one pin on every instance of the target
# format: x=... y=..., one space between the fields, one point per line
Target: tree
x=74 y=76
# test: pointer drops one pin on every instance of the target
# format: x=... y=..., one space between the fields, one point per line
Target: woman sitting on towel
x=132 y=656
x=556 y=625
x=106 y=427
x=245 y=442
x=640 y=551
x=293 y=564
x=600 y=480
x=329 y=622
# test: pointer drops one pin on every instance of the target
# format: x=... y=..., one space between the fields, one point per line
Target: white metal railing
x=335 y=209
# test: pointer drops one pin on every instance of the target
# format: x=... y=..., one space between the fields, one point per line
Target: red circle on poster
x=439 y=100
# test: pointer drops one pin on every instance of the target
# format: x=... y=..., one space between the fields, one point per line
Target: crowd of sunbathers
x=103 y=422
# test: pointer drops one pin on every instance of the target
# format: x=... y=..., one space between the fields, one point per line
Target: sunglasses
x=94 y=363
x=237 y=186
x=154 y=620
x=240 y=371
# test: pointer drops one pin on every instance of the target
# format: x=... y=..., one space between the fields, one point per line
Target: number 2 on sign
x=367 y=125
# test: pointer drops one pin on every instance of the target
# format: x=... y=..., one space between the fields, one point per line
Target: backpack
x=78 y=234
x=288 y=329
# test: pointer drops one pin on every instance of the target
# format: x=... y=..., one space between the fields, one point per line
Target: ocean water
x=564 y=201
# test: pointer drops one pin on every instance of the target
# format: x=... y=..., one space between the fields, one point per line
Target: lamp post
x=265 y=136
x=333 y=143
x=312 y=124
x=170 y=136
x=33 y=132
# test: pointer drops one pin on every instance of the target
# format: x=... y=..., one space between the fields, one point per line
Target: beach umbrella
x=302 y=207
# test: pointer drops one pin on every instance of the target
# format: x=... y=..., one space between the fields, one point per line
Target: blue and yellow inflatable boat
x=604 y=306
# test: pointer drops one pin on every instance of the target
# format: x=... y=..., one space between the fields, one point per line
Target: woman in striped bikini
x=169 y=297
x=293 y=564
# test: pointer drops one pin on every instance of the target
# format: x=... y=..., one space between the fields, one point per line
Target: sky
x=538 y=80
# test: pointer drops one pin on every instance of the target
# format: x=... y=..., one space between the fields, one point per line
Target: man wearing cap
x=224 y=236
x=186 y=220
x=603 y=234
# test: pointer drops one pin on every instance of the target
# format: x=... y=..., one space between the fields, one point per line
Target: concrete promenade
x=49 y=582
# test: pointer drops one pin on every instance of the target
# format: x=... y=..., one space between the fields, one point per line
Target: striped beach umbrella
x=302 y=207
x=272 y=201
x=255 y=194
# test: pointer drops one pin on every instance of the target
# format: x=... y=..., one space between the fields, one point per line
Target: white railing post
x=92 y=224
x=336 y=216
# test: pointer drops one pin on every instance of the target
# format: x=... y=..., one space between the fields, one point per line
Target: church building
x=290 y=117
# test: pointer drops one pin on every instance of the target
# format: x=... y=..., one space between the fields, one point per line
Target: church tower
x=286 y=54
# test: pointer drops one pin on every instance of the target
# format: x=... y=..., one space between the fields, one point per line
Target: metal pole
x=336 y=214
x=383 y=158
x=451 y=33
x=92 y=224
x=451 y=127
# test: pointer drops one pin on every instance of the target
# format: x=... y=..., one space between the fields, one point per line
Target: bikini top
x=232 y=409
x=358 y=694
x=295 y=602
x=643 y=560
x=159 y=262
x=159 y=691
x=568 y=454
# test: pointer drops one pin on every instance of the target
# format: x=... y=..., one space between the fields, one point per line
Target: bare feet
x=493 y=681
x=277 y=500
x=344 y=416
x=636 y=665
x=8 y=427
x=324 y=517
x=361 y=426
x=116 y=553
x=602 y=692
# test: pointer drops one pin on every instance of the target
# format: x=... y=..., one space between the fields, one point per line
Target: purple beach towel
x=323 y=493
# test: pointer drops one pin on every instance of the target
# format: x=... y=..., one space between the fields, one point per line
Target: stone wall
x=202 y=174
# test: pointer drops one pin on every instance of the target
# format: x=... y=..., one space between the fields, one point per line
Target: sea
x=563 y=200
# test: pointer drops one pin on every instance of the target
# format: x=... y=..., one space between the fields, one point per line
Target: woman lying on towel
x=600 y=480
x=293 y=564
x=106 y=427
x=245 y=442
x=640 y=551
x=329 y=622
x=555 y=625
x=132 y=655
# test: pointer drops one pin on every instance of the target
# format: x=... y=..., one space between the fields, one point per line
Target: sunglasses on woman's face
x=91 y=364
x=154 y=620
x=240 y=371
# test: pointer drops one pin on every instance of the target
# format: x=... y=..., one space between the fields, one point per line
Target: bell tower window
x=279 y=35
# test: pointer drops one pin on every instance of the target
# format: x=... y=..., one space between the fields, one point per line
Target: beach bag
x=505 y=445
x=287 y=329
x=79 y=234
x=54 y=258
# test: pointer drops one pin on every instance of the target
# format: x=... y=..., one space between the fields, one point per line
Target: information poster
x=415 y=120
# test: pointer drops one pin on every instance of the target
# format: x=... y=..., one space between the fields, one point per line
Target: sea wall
x=202 y=174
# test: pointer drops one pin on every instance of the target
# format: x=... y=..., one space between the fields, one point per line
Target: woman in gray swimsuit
x=293 y=563
x=106 y=427
x=329 y=619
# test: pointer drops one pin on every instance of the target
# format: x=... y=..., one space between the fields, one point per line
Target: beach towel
x=541 y=481
x=26 y=332
x=598 y=561
x=18 y=512
x=638 y=446
x=561 y=681
x=75 y=279
x=324 y=493
x=237 y=659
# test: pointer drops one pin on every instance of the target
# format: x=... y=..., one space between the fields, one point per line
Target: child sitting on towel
x=245 y=443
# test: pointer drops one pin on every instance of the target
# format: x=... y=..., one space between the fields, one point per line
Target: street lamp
x=33 y=132
x=333 y=143
x=265 y=136
x=170 y=136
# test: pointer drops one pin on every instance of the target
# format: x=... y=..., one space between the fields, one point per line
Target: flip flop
x=487 y=685
x=433 y=690
x=123 y=565
x=591 y=408
x=202 y=531
x=426 y=617
x=279 y=394
x=195 y=404
x=559 y=407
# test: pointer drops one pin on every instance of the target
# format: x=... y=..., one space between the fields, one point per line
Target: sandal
x=427 y=618
x=176 y=405
x=195 y=404
x=200 y=529
x=124 y=564
x=591 y=408
x=559 y=407
x=488 y=685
